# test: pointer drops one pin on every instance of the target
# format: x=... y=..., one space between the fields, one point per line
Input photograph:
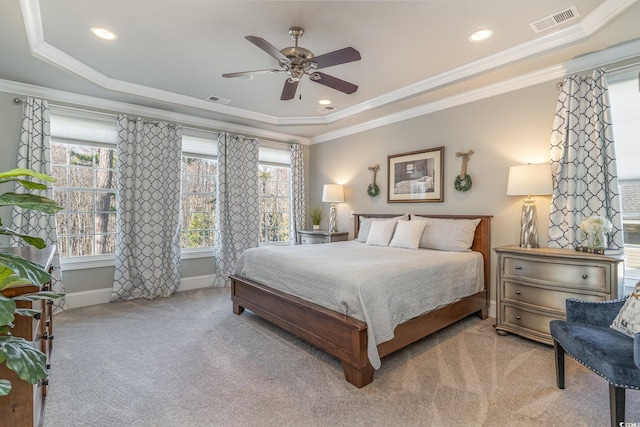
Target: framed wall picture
x=417 y=176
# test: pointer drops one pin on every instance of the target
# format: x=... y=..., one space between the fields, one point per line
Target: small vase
x=598 y=240
x=316 y=227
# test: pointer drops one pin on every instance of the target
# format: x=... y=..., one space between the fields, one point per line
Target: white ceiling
x=415 y=54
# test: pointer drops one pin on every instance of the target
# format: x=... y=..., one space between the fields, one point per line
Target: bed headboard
x=481 y=239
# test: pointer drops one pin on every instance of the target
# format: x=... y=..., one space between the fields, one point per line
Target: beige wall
x=10 y=122
x=503 y=131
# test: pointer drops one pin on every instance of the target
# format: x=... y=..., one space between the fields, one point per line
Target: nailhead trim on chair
x=583 y=364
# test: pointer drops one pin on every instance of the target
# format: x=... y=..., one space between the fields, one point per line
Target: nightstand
x=308 y=237
x=534 y=283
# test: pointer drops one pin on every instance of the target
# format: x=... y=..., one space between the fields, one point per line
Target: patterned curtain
x=148 y=219
x=297 y=189
x=34 y=152
x=583 y=162
x=237 y=204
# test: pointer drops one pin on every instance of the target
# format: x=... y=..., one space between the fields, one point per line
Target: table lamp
x=332 y=193
x=529 y=180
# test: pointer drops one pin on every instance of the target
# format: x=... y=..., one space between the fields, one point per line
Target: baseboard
x=102 y=296
x=492 y=309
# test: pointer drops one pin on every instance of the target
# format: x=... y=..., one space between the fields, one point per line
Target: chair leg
x=559 y=353
x=616 y=405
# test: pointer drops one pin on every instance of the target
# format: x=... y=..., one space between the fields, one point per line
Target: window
x=624 y=94
x=83 y=150
x=86 y=189
x=199 y=179
x=83 y=163
x=275 y=204
x=274 y=176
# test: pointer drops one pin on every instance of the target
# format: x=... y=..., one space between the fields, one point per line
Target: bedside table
x=308 y=237
x=533 y=284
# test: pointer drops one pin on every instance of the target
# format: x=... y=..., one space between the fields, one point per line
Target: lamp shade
x=333 y=193
x=527 y=180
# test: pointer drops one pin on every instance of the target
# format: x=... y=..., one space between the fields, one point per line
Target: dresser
x=533 y=284
x=308 y=237
x=24 y=405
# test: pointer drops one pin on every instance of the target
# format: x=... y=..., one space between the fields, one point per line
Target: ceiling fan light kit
x=297 y=62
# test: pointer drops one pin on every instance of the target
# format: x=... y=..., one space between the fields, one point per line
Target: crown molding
x=55 y=95
x=608 y=10
x=597 y=59
x=60 y=59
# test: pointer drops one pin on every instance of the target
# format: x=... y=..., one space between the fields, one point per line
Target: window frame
x=290 y=196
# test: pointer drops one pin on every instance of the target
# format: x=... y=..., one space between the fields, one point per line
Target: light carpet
x=188 y=360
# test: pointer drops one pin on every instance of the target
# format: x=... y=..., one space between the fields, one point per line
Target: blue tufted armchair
x=586 y=337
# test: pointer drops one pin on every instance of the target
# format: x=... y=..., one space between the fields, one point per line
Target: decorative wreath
x=373 y=190
x=463 y=184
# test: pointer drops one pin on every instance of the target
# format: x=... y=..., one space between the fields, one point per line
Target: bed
x=412 y=186
x=342 y=333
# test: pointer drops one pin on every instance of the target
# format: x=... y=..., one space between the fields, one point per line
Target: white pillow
x=365 y=225
x=381 y=233
x=446 y=234
x=628 y=319
x=408 y=234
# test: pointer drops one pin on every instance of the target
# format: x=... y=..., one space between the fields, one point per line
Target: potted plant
x=20 y=355
x=316 y=217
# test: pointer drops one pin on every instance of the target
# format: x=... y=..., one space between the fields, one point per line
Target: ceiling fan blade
x=251 y=73
x=289 y=90
x=269 y=48
x=342 y=56
x=333 y=83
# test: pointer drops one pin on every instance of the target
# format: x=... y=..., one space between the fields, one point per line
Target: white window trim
x=97 y=261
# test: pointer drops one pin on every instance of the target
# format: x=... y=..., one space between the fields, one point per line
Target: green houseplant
x=20 y=355
x=316 y=217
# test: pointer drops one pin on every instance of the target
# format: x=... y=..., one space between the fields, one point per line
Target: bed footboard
x=337 y=334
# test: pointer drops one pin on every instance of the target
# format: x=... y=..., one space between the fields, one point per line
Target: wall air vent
x=326 y=109
x=555 y=19
x=218 y=100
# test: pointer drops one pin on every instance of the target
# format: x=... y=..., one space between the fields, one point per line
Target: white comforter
x=382 y=286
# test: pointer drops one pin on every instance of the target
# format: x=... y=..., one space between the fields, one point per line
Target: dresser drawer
x=582 y=276
x=541 y=297
x=527 y=321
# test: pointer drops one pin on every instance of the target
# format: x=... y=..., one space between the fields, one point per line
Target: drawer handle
x=48 y=366
x=585 y=276
x=518 y=267
x=48 y=337
x=518 y=292
x=518 y=317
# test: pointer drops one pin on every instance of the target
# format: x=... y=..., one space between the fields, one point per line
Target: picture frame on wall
x=416 y=177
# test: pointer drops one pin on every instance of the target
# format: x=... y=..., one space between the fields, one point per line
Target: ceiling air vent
x=218 y=100
x=555 y=19
x=326 y=109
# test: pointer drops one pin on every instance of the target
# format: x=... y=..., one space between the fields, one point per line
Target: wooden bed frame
x=345 y=337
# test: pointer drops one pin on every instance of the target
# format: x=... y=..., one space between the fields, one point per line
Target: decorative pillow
x=365 y=225
x=445 y=234
x=381 y=232
x=408 y=234
x=628 y=319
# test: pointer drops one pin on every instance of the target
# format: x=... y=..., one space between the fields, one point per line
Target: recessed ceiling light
x=103 y=33
x=324 y=102
x=480 y=35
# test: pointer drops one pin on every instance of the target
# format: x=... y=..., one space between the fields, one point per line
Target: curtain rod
x=608 y=70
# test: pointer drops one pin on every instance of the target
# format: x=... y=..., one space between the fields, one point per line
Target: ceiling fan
x=298 y=61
